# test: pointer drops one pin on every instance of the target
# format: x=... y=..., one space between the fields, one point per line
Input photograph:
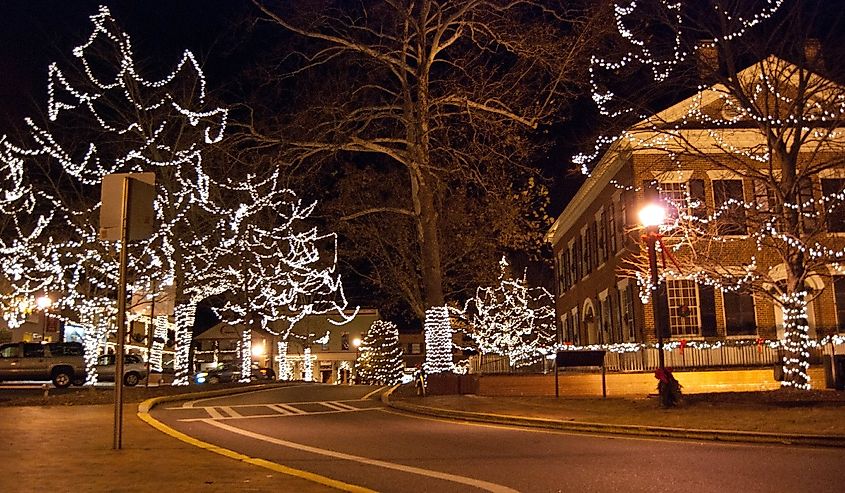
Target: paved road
x=345 y=433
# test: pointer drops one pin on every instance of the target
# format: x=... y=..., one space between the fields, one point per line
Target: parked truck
x=63 y=363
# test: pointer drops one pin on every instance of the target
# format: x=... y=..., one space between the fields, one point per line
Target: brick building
x=597 y=236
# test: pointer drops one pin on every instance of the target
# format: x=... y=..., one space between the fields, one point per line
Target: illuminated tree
x=511 y=319
x=380 y=360
x=238 y=233
x=766 y=118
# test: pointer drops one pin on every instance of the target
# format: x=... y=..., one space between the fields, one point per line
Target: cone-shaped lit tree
x=380 y=360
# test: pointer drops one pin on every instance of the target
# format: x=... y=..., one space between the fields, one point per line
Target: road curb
x=837 y=441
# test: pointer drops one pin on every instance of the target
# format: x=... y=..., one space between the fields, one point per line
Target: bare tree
x=449 y=93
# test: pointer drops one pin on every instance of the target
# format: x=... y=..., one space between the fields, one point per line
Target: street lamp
x=357 y=343
x=43 y=303
x=652 y=217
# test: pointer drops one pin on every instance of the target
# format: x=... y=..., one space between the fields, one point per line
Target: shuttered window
x=739 y=314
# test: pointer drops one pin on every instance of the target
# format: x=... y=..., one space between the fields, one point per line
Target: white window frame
x=676 y=328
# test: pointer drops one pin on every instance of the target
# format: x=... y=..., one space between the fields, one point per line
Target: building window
x=833 y=190
x=344 y=341
x=588 y=253
x=839 y=296
x=601 y=237
x=806 y=204
x=567 y=273
x=611 y=230
x=739 y=314
x=728 y=200
x=675 y=197
x=578 y=260
x=683 y=307
x=764 y=196
x=559 y=267
x=627 y=312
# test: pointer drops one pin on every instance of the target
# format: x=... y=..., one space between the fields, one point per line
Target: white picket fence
x=646 y=359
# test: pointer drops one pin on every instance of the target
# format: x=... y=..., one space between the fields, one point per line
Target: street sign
x=140 y=213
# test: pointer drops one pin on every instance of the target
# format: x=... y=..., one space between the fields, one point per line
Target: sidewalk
x=768 y=417
x=69 y=448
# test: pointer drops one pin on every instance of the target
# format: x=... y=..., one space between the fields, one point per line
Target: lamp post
x=652 y=216
x=357 y=343
x=43 y=303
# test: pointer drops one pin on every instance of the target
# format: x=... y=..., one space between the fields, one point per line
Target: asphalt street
x=345 y=433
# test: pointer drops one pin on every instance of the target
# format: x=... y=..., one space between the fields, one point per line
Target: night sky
x=34 y=33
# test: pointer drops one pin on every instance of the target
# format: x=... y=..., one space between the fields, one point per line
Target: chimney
x=707 y=60
x=813 y=53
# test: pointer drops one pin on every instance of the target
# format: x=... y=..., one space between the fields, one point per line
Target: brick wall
x=633 y=384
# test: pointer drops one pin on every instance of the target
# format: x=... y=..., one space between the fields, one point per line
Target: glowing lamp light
x=652 y=215
x=356 y=342
x=258 y=350
x=43 y=302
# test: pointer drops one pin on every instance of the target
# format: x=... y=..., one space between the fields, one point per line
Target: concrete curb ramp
x=614 y=429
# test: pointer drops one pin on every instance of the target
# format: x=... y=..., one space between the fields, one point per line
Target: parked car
x=134 y=369
x=61 y=362
x=262 y=373
x=231 y=372
x=223 y=372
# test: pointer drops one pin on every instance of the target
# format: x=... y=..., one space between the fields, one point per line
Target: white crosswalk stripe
x=274 y=410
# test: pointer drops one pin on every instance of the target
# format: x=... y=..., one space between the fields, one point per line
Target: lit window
x=683 y=307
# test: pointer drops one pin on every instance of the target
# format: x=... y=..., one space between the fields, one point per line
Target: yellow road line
x=316 y=478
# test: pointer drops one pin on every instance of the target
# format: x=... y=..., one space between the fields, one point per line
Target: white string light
x=380 y=356
x=511 y=319
x=438 y=340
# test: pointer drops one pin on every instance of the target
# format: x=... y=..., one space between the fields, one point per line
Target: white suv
x=134 y=369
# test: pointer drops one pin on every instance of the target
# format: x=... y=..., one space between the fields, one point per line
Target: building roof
x=708 y=102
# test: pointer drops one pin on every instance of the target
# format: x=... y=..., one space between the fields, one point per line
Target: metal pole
x=651 y=239
x=151 y=332
x=557 y=387
x=121 y=318
x=603 y=380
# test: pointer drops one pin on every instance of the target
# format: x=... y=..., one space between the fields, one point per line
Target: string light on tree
x=380 y=357
x=511 y=319
x=438 y=340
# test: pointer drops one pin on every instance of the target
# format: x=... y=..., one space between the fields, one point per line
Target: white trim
x=611 y=162
x=673 y=176
x=603 y=294
x=838 y=172
x=622 y=284
x=723 y=174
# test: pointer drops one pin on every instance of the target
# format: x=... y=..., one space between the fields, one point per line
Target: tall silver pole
x=659 y=327
x=121 y=318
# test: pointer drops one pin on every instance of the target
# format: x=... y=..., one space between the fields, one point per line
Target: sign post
x=126 y=214
x=581 y=358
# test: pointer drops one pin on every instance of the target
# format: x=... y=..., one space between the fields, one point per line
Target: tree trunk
x=795 y=340
x=428 y=237
x=184 y=313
